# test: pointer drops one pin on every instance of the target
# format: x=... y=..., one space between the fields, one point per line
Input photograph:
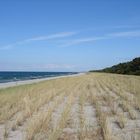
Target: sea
x=21 y=76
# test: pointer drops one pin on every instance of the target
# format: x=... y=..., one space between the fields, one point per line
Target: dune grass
x=30 y=109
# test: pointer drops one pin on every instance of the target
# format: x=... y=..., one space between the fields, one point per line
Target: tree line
x=130 y=68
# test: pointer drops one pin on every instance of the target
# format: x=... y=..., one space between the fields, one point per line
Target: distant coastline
x=31 y=81
x=12 y=76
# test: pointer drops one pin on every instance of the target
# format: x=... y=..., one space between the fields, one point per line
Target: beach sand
x=83 y=106
x=17 y=83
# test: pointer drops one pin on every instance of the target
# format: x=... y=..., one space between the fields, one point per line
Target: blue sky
x=62 y=35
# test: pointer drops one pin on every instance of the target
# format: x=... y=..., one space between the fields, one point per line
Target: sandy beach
x=17 y=83
x=71 y=108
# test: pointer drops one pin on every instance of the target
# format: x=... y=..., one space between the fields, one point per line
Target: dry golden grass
x=121 y=120
x=30 y=109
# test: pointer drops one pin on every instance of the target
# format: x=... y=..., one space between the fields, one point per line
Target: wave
x=21 y=76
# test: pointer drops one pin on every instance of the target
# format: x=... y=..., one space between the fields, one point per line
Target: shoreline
x=25 y=82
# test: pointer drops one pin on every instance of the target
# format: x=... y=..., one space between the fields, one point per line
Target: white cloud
x=82 y=40
x=11 y=66
x=6 y=47
x=40 y=38
x=53 y=36
x=125 y=34
x=66 y=43
x=58 y=66
x=107 y=36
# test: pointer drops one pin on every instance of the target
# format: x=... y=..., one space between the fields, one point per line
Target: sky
x=68 y=35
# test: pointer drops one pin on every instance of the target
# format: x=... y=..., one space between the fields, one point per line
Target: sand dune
x=85 y=107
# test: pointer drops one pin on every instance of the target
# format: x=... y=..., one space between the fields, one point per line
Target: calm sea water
x=18 y=76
